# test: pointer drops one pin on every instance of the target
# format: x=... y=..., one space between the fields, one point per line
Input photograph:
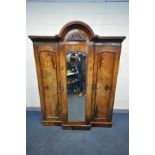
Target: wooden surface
x=103 y=54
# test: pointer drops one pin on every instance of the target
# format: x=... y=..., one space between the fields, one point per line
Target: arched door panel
x=104 y=76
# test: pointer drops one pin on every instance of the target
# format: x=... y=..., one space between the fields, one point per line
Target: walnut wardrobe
x=103 y=54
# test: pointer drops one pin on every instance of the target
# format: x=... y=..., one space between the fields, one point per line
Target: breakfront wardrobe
x=103 y=54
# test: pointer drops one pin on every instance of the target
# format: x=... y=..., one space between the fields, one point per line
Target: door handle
x=61 y=88
x=94 y=86
x=107 y=87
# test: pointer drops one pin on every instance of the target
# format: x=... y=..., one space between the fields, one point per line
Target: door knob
x=61 y=88
x=107 y=87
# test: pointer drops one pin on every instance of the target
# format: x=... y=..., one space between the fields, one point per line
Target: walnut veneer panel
x=104 y=75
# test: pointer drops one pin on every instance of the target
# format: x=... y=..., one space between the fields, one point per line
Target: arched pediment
x=76 y=31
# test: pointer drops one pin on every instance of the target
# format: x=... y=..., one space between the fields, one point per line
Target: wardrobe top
x=56 y=38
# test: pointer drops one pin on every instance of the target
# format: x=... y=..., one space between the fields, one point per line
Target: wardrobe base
x=51 y=122
x=101 y=124
x=76 y=125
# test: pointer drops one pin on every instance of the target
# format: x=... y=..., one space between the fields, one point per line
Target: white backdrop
x=107 y=19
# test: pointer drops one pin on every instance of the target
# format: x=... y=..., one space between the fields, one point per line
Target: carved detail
x=76 y=36
x=101 y=59
x=76 y=25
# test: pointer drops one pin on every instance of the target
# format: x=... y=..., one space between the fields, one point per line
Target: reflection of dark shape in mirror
x=76 y=85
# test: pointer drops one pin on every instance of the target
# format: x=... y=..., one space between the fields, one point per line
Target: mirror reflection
x=76 y=85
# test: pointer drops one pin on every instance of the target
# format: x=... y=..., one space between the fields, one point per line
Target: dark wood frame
x=95 y=45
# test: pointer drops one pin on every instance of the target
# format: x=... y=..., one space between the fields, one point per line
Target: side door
x=103 y=79
x=47 y=72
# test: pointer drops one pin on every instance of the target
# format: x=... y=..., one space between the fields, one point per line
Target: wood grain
x=103 y=54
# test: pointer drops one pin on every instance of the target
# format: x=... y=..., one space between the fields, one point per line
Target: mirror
x=76 y=85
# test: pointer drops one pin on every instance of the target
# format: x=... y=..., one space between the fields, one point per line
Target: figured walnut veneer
x=103 y=54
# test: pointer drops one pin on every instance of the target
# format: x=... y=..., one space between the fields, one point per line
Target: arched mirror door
x=77 y=53
x=76 y=45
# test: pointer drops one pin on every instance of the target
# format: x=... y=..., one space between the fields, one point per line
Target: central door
x=76 y=81
x=76 y=77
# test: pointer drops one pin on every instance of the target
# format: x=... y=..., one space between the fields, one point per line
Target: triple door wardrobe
x=53 y=54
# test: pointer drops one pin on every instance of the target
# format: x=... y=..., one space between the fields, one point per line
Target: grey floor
x=76 y=107
x=53 y=140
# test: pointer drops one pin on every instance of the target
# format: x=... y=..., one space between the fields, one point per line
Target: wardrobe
x=103 y=54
